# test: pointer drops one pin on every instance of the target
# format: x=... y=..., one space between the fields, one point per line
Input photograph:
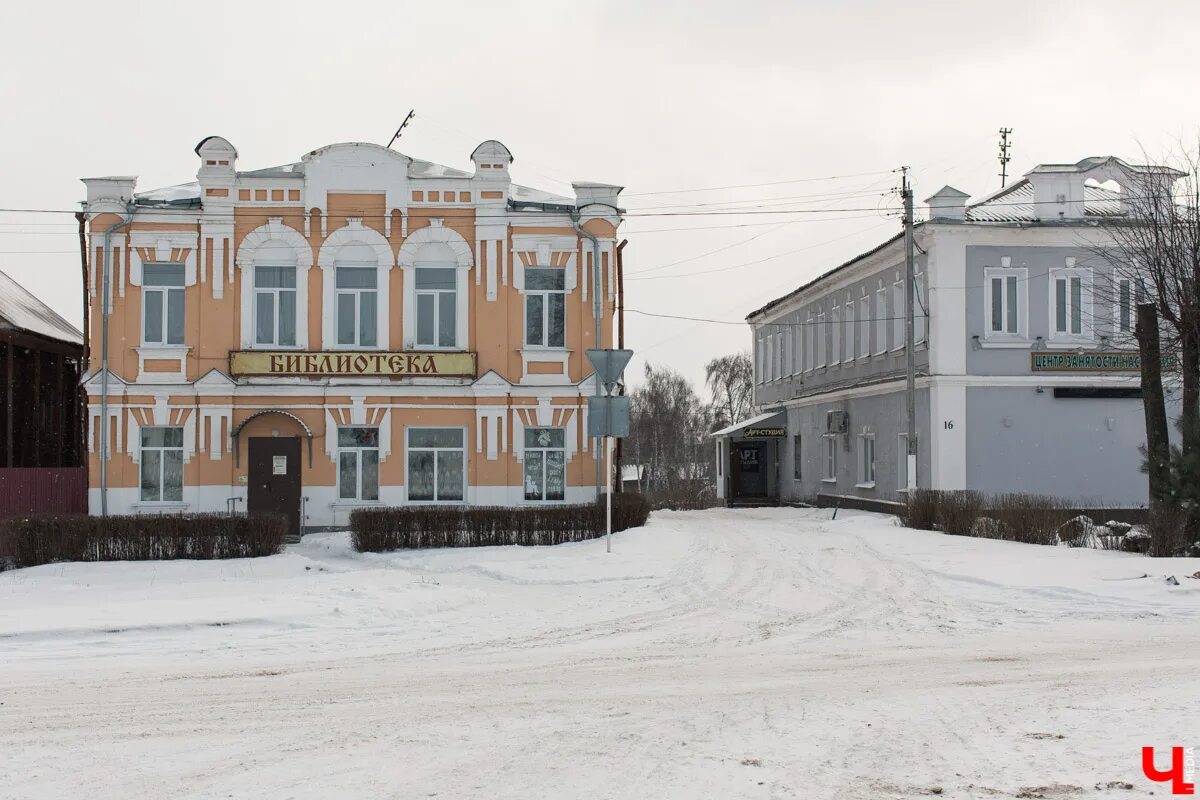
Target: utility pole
x=909 y=333
x=1004 y=156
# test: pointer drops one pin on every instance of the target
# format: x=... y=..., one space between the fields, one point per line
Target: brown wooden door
x=274 y=478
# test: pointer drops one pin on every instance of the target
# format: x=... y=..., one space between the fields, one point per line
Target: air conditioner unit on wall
x=836 y=422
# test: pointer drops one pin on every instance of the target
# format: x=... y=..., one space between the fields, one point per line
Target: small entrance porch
x=748 y=454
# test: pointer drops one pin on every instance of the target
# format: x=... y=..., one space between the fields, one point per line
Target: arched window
x=436 y=262
x=355 y=261
x=274 y=261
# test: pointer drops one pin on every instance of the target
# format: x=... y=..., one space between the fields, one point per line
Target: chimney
x=947 y=203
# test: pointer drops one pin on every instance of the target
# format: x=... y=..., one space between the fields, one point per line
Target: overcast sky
x=656 y=96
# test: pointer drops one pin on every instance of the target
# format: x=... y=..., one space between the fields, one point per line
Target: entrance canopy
x=772 y=425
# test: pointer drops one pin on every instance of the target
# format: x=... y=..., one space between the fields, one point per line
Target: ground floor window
x=545 y=464
x=830 y=458
x=797 y=462
x=866 y=460
x=162 y=464
x=358 y=463
x=436 y=465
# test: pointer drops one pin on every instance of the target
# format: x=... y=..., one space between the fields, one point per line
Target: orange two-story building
x=356 y=328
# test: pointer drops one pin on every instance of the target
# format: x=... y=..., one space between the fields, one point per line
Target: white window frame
x=866 y=460
x=255 y=291
x=848 y=322
x=835 y=336
x=358 y=466
x=759 y=358
x=797 y=336
x=822 y=341
x=408 y=448
x=769 y=358
x=161 y=450
x=380 y=307
x=545 y=294
x=165 y=291
x=436 y=294
x=1137 y=294
x=899 y=316
x=880 y=320
x=542 y=452
x=921 y=310
x=1021 y=275
x=779 y=353
x=829 y=457
x=1086 y=334
x=864 y=327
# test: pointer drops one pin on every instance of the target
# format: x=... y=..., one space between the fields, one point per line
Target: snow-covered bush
x=990 y=528
x=1136 y=540
x=45 y=538
x=1080 y=531
x=411 y=527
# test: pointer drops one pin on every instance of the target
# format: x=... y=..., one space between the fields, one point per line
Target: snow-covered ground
x=770 y=653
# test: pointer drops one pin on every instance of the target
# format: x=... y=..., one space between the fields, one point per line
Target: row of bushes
x=1038 y=519
x=45 y=538
x=412 y=527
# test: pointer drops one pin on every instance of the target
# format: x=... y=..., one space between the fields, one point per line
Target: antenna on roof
x=1004 y=156
x=412 y=112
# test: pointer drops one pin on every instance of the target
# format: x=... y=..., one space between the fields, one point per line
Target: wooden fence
x=26 y=490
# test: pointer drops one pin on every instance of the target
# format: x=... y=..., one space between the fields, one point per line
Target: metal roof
x=21 y=310
x=1015 y=204
x=775 y=416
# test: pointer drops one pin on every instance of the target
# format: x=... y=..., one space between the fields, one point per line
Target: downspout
x=596 y=312
x=620 y=479
x=105 y=311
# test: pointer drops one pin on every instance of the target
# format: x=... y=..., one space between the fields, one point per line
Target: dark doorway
x=749 y=469
x=274 y=479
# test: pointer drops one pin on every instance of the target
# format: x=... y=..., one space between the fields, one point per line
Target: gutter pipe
x=105 y=311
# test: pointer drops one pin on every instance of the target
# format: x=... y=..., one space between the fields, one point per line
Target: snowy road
x=721 y=654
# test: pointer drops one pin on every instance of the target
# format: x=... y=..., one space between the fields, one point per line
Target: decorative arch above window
x=274 y=245
x=354 y=245
x=436 y=248
x=165 y=247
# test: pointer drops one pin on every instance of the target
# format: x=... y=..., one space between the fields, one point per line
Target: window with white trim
x=1070 y=304
x=437 y=463
x=810 y=330
x=546 y=464
x=358 y=464
x=161 y=457
x=798 y=345
x=920 y=309
x=274 y=305
x=880 y=321
x=899 y=316
x=1130 y=294
x=848 y=340
x=821 y=337
x=436 y=291
x=829 y=445
x=789 y=367
x=779 y=354
x=1004 y=300
x=864 y=327
x=545 y=307
x=162 y=304
x=866 y=460
x=835 y=335
x=356 y=300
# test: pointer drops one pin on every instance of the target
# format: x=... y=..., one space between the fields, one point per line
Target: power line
x=765 y=324
x=758 y=185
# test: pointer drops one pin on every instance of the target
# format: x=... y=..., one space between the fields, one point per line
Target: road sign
x=609 y=364
x=608 y=416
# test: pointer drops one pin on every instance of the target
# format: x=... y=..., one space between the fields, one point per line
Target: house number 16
x=948 y=424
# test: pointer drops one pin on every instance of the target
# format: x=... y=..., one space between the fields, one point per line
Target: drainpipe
x=596 y=312
x=105 y=311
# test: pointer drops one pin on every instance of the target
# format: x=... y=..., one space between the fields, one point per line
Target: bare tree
x=730 y=382
x=1155 y=254
x=668 y=426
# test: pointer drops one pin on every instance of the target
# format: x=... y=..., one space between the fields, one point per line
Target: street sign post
x=608 y=415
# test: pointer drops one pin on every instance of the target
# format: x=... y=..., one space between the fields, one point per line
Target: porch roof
x=770 y=419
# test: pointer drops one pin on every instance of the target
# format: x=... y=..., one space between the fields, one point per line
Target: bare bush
x=1030 y=518
x=920 y=509
x=958 y=510
x=1167 y=526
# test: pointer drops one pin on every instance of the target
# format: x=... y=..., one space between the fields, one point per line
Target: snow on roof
x=180 y=193
x=524 y=194
x=427 y=169
x=281 y=171
x=772 y=416
x=1015 y=204
x=20 y=309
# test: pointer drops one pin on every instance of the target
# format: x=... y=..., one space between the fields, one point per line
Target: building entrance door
x=274 y=479
x=749 y=469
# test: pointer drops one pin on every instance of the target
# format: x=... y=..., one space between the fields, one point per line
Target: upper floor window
x=899 y=316
x=162 y=464
x=1071 y=300
x=848 y=339
x=357 y=303
x=545 y=307
x=1004 y=291
x=1130 y=293
x=920 y=310
x=358 y=463
x=835 y=334
x=275 y=305
x=545 y=464
x=880 y=321
x=162 y=303
x=437 y=304
x=864 y=327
